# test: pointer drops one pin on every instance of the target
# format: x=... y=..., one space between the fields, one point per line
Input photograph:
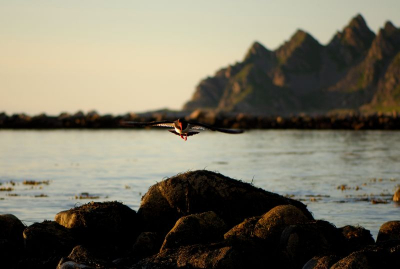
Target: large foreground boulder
x=301 y=242
x=202 y=191
x=107 y=224
x=46 y=243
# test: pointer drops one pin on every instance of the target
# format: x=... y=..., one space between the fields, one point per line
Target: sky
x=123 y=56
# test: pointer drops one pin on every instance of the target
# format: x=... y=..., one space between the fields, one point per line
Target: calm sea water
x=109 y=165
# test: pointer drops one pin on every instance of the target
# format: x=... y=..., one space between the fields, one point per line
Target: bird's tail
x=188 y=134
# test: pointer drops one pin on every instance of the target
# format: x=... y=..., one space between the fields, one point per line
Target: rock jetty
x=197 y=219
x=92 y=120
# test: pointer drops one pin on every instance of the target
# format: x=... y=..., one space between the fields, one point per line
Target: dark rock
x=44 y=121
x=219 y=255
x=389 y=231
x=382 y=255
x=11 y=239
x=324 y=262
x=269 y=226
x=243 y=230
x=356 y=237
x=147 y=244
x=272 y=223
x=355 y=260
x=81 y=257
x=46 y=243
x=202 y=191
x=301 y=242
x=108 y=224
x=193 y=229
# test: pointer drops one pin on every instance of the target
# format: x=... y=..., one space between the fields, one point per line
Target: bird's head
x=180 y=123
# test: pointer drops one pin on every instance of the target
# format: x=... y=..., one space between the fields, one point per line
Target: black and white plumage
x=182 y=127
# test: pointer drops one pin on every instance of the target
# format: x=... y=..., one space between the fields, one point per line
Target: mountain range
x=357 y=71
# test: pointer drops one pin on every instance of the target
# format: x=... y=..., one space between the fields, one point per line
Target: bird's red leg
x=186 y=137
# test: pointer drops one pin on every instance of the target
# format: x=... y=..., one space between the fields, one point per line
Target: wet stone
x=389 y=231
x=47 y=242
x=300 y=242
x=107 y=223
x=271 y=224
x=356 y=237
x=194 y=229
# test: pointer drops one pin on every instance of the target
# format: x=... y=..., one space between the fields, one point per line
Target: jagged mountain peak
x=300 y=37
x=304 y=76
x=358 y=22
x=391 y=32
x=386 y=43
x=389 y=27
x=256 y=50
x=301 y=52
x=352 y=42
x=356 y=34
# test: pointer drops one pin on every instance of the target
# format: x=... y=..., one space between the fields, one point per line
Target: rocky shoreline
x=93 y=120
x=198 y=219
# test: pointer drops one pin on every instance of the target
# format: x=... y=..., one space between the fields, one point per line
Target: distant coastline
x=93 y=120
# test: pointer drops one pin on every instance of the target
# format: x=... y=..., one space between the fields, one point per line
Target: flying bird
x=182 y=127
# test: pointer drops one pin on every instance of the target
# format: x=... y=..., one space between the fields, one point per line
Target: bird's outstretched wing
x=164 y=123
x=202 y=126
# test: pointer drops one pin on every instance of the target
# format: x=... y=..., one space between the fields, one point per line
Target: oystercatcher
x=182 y=127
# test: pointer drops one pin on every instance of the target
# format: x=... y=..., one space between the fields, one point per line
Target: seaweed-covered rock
x=199 y=228
x=46 y=243
x=11 y=239
x=356 y=237
x=202 y=191
x=108 y=224
x=301 y=242
x=389 y=231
